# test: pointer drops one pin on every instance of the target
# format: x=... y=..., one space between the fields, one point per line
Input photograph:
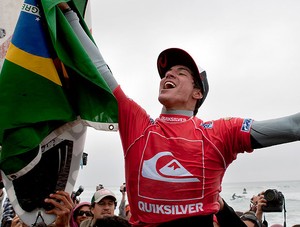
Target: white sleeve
x=91 y=49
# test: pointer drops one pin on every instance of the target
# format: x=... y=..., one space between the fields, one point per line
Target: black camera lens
x=275 y=201
x=270 y=195
x=79 y=191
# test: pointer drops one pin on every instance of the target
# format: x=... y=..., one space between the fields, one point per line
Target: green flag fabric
x=47 y=81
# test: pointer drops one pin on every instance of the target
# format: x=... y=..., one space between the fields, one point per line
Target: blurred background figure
x=256 y=205
x=98 y=187
x=113 y=221
x=123 y=201
x=103 y=204
x=8 y=213
x=75 y=195
x=127 y=212
x=80 y=213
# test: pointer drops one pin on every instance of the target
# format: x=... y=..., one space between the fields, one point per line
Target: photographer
x=270 y=200
x=122 y=212
x=256 y=205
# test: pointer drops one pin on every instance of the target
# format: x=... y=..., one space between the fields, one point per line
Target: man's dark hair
x=200 y=101
x=112 y=221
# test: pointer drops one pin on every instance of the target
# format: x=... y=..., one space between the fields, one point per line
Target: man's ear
x=92 y=209
x=197 y=94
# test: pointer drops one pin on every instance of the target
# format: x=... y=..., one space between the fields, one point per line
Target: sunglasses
x=86 y=213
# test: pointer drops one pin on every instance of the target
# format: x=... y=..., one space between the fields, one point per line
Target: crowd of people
x=100 y=211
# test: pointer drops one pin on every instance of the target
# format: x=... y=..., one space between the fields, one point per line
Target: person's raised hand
x=63 y=6
x=63 y=206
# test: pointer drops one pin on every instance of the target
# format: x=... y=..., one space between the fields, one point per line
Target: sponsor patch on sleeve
x=246 y=125
x=207 y=124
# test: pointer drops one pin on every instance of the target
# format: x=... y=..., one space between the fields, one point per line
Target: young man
x=175 y=165
x=103 y=204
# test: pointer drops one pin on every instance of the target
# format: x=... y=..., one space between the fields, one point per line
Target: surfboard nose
x=54 y=166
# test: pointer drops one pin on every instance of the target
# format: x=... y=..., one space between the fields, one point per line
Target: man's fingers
x=61 y=201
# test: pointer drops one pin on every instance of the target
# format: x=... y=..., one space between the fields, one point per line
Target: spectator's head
x=81 y=212
x=112 y=221
x=250 y=219
x=104 y=203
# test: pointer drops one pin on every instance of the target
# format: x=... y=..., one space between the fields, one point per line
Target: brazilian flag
x=46 y=81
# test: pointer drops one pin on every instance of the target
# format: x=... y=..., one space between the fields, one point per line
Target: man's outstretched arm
x=275 y=131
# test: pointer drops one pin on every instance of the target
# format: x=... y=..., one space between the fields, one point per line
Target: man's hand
x=258 y=201
x=63 y=206
x=123 y=188
x=63 y=6
x=17 y=222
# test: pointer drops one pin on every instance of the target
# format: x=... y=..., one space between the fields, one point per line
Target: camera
x=124 y=188
x=84 y=158
x=275 y=201
x=99 y=187
x=77 y=193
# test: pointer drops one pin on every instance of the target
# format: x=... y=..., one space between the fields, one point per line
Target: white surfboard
x=57 y=169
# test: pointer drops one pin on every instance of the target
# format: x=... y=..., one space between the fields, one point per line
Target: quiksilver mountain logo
x=172 y=171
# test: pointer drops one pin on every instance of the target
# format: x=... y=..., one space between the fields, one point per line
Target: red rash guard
x=175 y=165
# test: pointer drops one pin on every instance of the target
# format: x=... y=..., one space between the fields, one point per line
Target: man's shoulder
x=86 y=223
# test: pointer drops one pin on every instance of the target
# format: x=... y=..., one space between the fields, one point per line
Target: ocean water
x=290 y=190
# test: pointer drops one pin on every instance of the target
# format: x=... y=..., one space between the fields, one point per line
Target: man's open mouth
x=169 y=85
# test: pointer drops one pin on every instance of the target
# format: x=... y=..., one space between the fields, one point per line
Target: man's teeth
x=169 y=85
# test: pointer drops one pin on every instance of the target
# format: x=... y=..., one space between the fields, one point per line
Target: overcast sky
x=250 y=50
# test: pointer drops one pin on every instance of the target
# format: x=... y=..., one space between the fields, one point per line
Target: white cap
x=102 y=193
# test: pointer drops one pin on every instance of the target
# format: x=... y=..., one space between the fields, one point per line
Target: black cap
x=175 y=56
